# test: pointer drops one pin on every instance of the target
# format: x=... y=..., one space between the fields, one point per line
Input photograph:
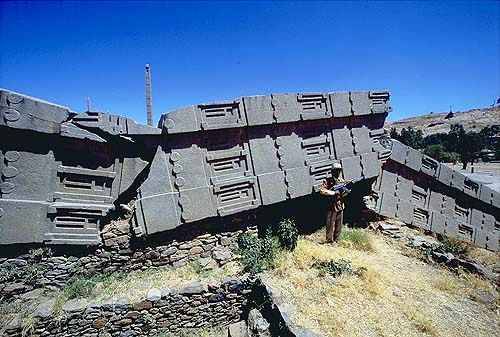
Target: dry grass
x=485 y=257
x=135 y=285
x=396 y=296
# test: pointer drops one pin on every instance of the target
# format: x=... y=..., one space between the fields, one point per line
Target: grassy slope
x=399 y=295
x=475 y=119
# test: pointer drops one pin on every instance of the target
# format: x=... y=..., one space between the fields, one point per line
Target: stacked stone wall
x=193 y=306
x=34 y=270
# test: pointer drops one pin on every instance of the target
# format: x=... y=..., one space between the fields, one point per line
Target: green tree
x=439 y=152
x=466 y=144
x=411 y=137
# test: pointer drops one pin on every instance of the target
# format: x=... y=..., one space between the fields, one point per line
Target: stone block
x=259 y=110
x=289 y=150
x=264 y=150
x=361 y=104
x=414 y=159
x=19 y=111
x=388 y=182
x=286 y=107
x=179 y=121
x=361 y=140
x=148 y=216
x=388 y=205
x=445 y=174
x=430 y=166
x=486 y=194
x=314 y=106
x=298 y=182
x=196 y=204
x=380 y=102
x=422 y=218
x=404 y=189
x=272 y=187
x=405 y=211
x=351 y=167
x=341 y=104
x=436 y=201
x=438 y=222
x=21 y=221
x=399 y=152
x=457 y=180
x=342 y=141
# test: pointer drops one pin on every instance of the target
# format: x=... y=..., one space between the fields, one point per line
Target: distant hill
x=474 y=119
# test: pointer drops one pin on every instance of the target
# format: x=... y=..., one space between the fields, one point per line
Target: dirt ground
x=480 y=167
x=398 y=295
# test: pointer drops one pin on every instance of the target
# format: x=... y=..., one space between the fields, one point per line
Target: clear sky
x=430 y=55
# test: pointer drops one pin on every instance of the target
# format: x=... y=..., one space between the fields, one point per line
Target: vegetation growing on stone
x=454 y=246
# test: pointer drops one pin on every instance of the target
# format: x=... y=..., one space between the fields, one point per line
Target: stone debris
x=193 y=288
x=45 y=309
x=238 y=329
x=154 y=295
x=75 y=305
x=258 y=326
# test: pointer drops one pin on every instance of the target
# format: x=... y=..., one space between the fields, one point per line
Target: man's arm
x=325 y=191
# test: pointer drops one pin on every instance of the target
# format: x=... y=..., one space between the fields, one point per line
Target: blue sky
x=430 y=55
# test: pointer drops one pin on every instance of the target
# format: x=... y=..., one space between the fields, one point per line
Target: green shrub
x=247 y=241
x=249 y=249
x=334 y=268
x=269 y=250
x=454 y=246
x=33 y=272
x=357 y=238
x=287 y=233
x=38 y=254
x=257 y=254
x=29 y=274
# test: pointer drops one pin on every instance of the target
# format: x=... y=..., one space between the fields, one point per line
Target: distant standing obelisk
x=149 y=98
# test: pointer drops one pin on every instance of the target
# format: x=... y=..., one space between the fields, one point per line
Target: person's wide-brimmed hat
x=337 y=166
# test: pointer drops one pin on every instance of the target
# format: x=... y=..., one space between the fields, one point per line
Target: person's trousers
x=334 y=221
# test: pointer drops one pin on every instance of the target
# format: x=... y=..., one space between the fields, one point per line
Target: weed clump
x=79 y=287
x=357 y=239
x=38 y=254
x=287 y=233
x=337 y=268
x=30 y=274
x=454 y=246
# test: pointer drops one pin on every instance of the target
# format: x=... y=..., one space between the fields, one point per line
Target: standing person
x=335 y=212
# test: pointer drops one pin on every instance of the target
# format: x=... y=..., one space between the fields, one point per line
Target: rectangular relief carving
x=314 y=106
x=235 y=195
x=221 y=115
